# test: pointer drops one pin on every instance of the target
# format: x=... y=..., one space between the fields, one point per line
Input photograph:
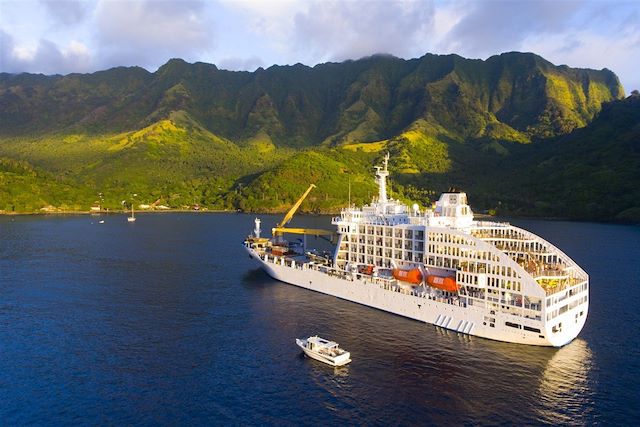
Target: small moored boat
x=323 y=350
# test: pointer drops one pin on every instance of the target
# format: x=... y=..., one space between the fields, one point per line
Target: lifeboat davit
x=445 y=283
x=412 y=276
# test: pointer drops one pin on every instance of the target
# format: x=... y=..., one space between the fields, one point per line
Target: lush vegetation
x=515 y=131
x=26 y=189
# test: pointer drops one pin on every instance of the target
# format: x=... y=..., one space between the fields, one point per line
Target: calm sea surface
x=166 y=321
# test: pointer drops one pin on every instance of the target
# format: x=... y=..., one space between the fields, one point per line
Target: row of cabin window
x=462 y=253
x=567 y=307
x=381 y=261
x=390 y=232
x=388 y=250
x=566 y=294
x=504 y=233
x=389 y=243
x=450 y=238
x=472 y=279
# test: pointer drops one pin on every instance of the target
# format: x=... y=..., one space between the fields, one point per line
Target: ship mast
x=381 y=180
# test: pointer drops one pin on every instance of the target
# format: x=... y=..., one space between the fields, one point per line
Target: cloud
x=331 y=30
x=40 y=35
x=47 y=57
x=590 y=50
x=148 y=32
x=66 y=12
x=315 y=31
x=240 y=64
x=7 y=58
x=496 y=26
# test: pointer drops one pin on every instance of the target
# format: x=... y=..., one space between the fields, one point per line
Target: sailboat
x=132 y=218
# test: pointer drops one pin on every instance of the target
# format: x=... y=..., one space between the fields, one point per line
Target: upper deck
x=386 y=232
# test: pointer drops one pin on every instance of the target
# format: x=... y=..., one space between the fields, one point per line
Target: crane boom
x=309 y=231
x=294 y=208
x=280 y=229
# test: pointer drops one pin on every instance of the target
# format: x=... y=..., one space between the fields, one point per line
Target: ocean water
x=167 y=321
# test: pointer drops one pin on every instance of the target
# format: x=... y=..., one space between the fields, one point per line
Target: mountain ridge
x=196 y=134
x=371 y=98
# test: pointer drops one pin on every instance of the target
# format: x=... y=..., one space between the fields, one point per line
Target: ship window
x=513 y=325
x=530 y=329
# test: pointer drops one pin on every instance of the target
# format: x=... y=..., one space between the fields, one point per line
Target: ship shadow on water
x=256 y=276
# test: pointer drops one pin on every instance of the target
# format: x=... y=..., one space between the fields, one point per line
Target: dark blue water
x=165 y=321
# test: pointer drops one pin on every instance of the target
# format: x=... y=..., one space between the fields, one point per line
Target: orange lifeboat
x=412 y=276
x=366 y=269
x=279 y=250
x=445 y=283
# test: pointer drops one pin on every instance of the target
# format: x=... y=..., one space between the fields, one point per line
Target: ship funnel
x=256 y=231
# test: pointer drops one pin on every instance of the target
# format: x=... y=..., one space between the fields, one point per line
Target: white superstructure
x=440 y=266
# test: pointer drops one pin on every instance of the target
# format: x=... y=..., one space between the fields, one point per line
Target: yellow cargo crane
x=281 y=228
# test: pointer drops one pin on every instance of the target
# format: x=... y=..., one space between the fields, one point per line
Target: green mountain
x=513 y=96
x=591 y=173
x=194 y=134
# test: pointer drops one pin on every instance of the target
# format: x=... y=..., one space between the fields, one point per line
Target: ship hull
x=441 y=312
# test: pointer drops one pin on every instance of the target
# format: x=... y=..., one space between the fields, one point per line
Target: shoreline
x=478 y=216
x=115 y=212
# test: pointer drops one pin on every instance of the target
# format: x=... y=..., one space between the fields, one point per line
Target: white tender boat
x=325 y=351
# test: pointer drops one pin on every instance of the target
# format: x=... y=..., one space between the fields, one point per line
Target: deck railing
x=391 y=285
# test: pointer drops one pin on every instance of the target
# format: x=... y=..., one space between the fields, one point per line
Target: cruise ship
x=439 y=266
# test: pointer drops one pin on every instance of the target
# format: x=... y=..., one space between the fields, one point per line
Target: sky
x=65 y=36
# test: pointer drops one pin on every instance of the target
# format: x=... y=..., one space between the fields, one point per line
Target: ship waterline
x=442 y=267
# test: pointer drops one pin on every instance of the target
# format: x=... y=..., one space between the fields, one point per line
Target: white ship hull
x=469 y=320
x=439 y=266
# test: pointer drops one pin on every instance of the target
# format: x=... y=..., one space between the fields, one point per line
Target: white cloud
x=40 y=35
x=585 y=49
x=240 y=64
x=445 y=19
x=66 y=12
x=491 y=27
x=273 y=19
x=333 y=30
x=316 y=31
x=23 y=53
x=148 y=32
x=76 y=48
x=47 y=57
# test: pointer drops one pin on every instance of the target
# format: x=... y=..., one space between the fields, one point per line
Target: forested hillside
x=189 y=134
